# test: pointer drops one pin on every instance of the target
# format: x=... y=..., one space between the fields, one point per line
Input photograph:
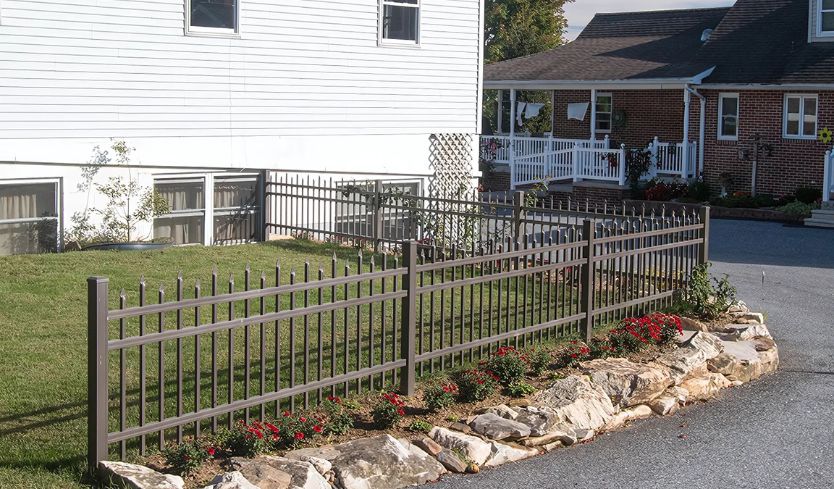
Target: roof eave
x=630 y=84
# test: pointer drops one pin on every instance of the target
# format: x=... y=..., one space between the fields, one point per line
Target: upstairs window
x=213 y=16
x=825 y=24
x=400 y=21
x=800 y=120
x=728 y=116
x=605 y=109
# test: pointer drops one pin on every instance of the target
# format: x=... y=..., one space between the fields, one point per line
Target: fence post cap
x=98 y=280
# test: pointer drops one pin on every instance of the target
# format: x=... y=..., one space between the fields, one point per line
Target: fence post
x=377 y=215
x=97 y=415
x=408 y=375
x=518 y=204
x=655 y=156
x=587 y=280
x=575 y=155
x=703 y=256
x=622 y=166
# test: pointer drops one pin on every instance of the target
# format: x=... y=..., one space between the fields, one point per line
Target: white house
x=213 y=93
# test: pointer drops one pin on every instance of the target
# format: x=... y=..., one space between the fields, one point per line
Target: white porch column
x=687 y=100
x=500 y=111
x=512 y=136
x=593 y=115
x=702 y=137
x=826 y=178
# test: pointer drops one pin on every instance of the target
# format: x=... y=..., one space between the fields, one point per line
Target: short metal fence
x=162 y=368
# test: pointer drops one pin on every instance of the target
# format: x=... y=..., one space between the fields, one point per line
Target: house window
x=728 y=116
x=604 y=109
x=800 y=120
x=29 y=217
x=825 y=25
x=212 y=16
x=400 y=21
x=236 y=209
x=184 y=223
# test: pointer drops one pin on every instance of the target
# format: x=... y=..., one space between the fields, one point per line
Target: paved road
x=775 y=433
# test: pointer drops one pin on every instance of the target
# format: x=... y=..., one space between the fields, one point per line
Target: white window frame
x=382 y=41
x=211 y=31
x=59 y=209
x=820 y=12
x=802 y=98
x=721 y=98
x=203 y=179
x=610 y=114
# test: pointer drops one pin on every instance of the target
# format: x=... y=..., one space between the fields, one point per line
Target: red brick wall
x=794 y=164
x=571 y=129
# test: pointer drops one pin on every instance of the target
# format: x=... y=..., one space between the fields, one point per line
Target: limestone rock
x=134 y=476
x=540 y=420
x=628 y=383
x=578 y=403
x=380 y=462
x=665 y=405
x=743 y=361
x=502 y=453
x=502 y=410
x=585 y=435
x=738 y=307
x=283 y=473
x=473 y=447
x=641 y=411
x=693 y=324
x=746 y=332
x=462 y=427
x=748 y=317
x=703 y=387
x=428 y=445
x=691 y=355
x=231 y=480
x=495 y=427
x=451 y=461
x=562 y=434
x=322 y=465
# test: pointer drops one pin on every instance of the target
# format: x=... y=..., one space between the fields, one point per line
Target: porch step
x=822 y=218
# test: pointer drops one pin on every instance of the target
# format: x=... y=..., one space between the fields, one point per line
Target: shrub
x=668 y=327
x=657 y=328
x=572 y=354
x=389 y=410
x=476 y=385
x=625 y=340
x=539 y=360
x=337 y=418
x=439 y=396
x=508 y=364
x=699 y=191
x=420 y=426
x=808 y=195
x=188 y=456
x=601 y=348
x=520 y=389
x=243 y=440
x=797 y=209
x=704 y=299
x=289 y=430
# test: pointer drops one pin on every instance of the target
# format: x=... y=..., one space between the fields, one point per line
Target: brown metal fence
x=379 y=213
x=161 y=367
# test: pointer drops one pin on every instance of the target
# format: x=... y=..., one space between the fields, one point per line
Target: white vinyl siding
x=728 y=116
x=123 y=68
x=800 y=117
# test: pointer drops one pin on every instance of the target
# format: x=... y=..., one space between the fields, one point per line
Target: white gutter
x=764 y=86
x=635 y=83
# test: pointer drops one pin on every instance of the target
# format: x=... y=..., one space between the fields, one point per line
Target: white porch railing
x=828 y=177
x=669 y=161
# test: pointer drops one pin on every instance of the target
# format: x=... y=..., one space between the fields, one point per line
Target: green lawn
x=43 y=314
x=43 y=340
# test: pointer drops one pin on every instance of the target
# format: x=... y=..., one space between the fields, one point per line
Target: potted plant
x=127 y=205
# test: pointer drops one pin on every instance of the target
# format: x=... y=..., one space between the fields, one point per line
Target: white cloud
x=580 y=12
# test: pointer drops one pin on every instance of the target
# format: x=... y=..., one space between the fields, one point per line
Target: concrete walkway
x=774 y=433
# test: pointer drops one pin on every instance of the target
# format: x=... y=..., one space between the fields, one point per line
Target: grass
x=43 y=340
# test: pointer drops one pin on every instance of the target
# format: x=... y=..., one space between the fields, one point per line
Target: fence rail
x=163 y=368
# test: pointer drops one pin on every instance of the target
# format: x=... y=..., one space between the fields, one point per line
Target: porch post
x=702 y=136
x=593 y=115
x=687 y=100
x=826 y=178
x=500 y=111
x=512 y=137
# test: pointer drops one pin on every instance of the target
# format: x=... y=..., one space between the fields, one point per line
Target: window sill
x=799 y=138
x=392 y=43
x=219 y=34
x=727 y=139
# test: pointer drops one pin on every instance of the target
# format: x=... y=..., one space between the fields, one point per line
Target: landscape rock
x=540 y=420
x=692 y=354
x=231 y=480
x=562 y=434
x=502 y=453
x=748 y=317
x=462 y=427
x=631 y=414
x=746 y=360
x=746 y=332
x=665 y=405
x=578 y=403
x=627 y=383
x=322 y=465
x=133 y=476
x=738 y=307
x=473 y=447
x=703 y=387
x=502 y=410
x=282 y=473
x=585 y=435
x=451 y=461
x=495 y=427
x=428 y=445
x=693 y=324
x=380 y=462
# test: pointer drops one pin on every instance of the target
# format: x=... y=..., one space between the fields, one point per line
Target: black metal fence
x=164 y=368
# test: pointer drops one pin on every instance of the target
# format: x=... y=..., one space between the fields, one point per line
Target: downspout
x=702 y=135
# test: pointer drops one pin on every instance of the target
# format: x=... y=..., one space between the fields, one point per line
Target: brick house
x=735 y=95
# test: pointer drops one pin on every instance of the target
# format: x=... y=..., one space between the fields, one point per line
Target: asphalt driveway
x=774 y=433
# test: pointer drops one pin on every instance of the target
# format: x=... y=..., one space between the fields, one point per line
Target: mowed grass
x=43 y=349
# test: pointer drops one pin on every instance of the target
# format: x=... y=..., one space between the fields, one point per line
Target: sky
x=580 y=12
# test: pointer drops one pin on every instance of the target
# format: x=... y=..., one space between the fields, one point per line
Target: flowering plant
x=438 y=396
x=508 y=364
x=601 y=348
x=539 y=360
x=634 y=333
x=571 y=355
x=337 y=417
x=289 y=431
x=476 y=385
x=188 y=456
x=389 y=410
x=243 y=440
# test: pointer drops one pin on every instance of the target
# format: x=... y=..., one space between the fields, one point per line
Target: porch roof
x=639 y=49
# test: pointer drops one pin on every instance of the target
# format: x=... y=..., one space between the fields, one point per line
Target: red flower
x=317 y=428
x=210 y=451
x=335 y=399
x=302 y=419
x=287 y=414
x=299 y=436
x=401 y=412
